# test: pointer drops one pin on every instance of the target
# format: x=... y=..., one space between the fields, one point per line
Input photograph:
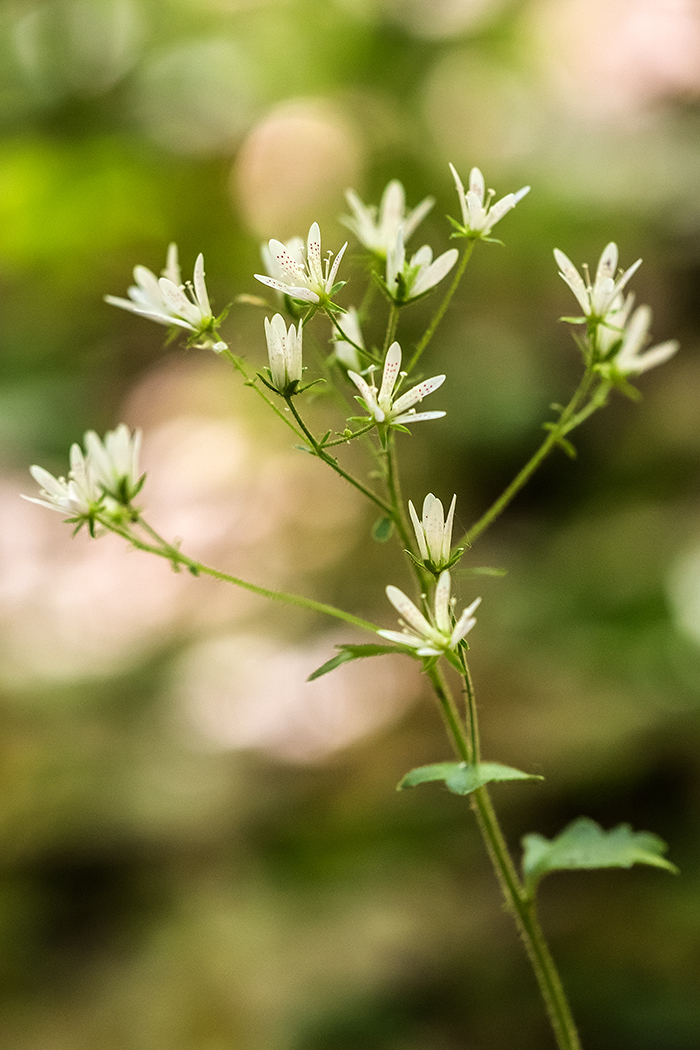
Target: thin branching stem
x=318 y=450
x=175 y=556
x=250 y=381
x=563 y=426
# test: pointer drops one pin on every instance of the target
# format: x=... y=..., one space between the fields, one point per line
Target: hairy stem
x=518 y=903
x=442 y=308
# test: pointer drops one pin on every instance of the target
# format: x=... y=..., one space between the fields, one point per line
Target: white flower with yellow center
x=381 y=405
x=309 y=279
x=479 y=215
x=376 y=229
x=598 y=299
x=430 y=638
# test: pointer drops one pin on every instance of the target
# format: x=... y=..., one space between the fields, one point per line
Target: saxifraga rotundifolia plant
x=104 y=481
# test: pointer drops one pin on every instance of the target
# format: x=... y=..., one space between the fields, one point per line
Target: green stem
x=563 y=426
x=391 y=327
x=349 y=437
x=393 y=484
x=346 y=338
x=519 y=904
x=250 y=381
x=333 y=463
x=441 y=310
x=166 y=550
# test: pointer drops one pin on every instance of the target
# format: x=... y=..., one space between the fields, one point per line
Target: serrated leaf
x=352 y=652
x=461 y=778
x=382 y=530
x=584 y=844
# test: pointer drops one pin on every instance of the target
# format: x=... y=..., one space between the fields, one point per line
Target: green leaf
x=584 y=844
x=382 y=530
x=352 y=652
x=461 y=778
x=481 y=570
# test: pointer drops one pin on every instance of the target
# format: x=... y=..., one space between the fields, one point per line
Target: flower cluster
x=617 y=334
x=168 y=301
x=436 y=636
x=381 y=405
x=103 y=480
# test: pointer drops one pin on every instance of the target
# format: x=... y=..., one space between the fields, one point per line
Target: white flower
x=629 y=360
x=430 y=639
x=597 y=299
x=479 y=216
x=309 y=279
x=114 y=462
x=170 y=302
x=284 y=350
x=434 y=533
x=382 y=407
x=294 y=247
x=407 y=281
x=610 y=332
x=377 y=229
x=80 y=496
x=345 y=351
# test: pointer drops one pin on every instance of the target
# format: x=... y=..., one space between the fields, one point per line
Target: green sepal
x=461 y=778
x=584 y=844
x=481 y=570
x=383 y=529
x=352 y=652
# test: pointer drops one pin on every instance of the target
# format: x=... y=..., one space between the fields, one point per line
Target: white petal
x=434 y=273
x=392 y=364
x=447 y=531
x=200 y=288
x=287 y=289
x=334 y=267
x=415 y=218
x=178 y=302
x=313 y=254
x=442 y=602
x=570 y=274
x=286 y=261
x=465 y=623
x=417 y=393
x=434 y=523
x=405 y=607
x=461 y=195
x=419 y=531
x=476 y=184
x=416 y=417
x=402 y=637
x=172 y=265
x=657 y=355
x=607 y=265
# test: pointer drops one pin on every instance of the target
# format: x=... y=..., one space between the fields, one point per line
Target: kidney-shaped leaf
x=584 y=844
x=462 y=778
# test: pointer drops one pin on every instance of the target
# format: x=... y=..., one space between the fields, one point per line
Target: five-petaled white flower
x=597 y=299
x=80 y=496
x=346 y=349
x=284 y=350
x=434 y=533
x=406 y=281
x=430 y=639
x=376 y=229
x=381 y=405
x=630 y=358
x=310 y=279
x=479 y=215
x=114 y=462
x=170 y=302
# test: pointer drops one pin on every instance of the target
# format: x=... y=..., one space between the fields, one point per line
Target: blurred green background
x=199 y=851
